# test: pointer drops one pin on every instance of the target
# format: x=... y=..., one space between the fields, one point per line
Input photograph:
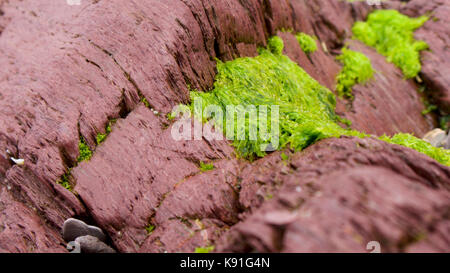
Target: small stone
x=91 y=244
x=74 y=228
x=436 y=138
x=447 y=142
x=18 y=161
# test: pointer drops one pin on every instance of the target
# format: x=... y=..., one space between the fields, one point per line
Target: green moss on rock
x=307 y=43
x=65 y=182
x=275 y=45
x=204 y=167
x=439 y=154
x=206 y=249
x=84 y=150
x=306 y=108
x=102 y=137
x=392 y=35
x=357 y=68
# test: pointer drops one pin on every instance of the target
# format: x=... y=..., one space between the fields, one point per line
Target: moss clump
x=150 y=228
x=102 y=137
x=275 y=45
x=206 y=249
x=357 y=69
x=439 y=154
x=306 y=109
x=392 y=35
x=64 y=181
x=307 y=43
x=145 y=102
x=85 y=151
x=204 y=167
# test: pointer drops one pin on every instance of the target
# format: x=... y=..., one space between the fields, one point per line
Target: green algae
x=150 y=228
x=206 y=249
x=307 y=43
x=306 y=108
x=357 y=68
x=102 y=137
x=204 y=167
x=64 y=181
x=392 y=35
x=84 y=150
x=275 y=45
x=439 y=154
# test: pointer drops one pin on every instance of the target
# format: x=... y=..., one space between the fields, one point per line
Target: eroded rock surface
x=68 y=70
x=340 y=194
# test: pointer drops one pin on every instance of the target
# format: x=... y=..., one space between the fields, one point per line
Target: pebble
x=437 y=138
x=91 y=244
x=74 y=228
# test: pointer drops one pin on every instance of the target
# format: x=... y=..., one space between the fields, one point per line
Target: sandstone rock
x=68 y=70
x=435 y=62
x=22 y=230
x=341 y=194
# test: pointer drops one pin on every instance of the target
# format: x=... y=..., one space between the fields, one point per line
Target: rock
x=22 y=230
x=64 y=75
x=353 y=191
x=447 y=142
x=436 y=137
x=74 y=228
x=435 y=62
x=91 y=244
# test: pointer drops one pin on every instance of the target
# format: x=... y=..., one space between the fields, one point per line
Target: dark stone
x=91 y=244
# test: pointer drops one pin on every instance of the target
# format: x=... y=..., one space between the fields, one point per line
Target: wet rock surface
x=69 y=70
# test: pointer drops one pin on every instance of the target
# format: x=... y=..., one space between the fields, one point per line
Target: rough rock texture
x=436 y=33
x=340 y=194
x=66 y=71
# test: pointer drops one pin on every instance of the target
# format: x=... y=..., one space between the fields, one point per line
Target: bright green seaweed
x=392 y=35
x=357 y=69
x=407 y=140
x=306 y=108
x=85 y=151
x=307 y=43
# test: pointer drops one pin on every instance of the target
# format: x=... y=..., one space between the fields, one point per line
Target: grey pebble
x=91 y=244
x=74 y=228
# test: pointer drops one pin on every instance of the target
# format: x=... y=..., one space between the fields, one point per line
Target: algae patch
x=85 y=151
x=102 y=137
x=307 y=43
x=357 y=68
x=204 y=167
x=407 y=140
x=206 y=249
x=306 y=109
x=392 y=35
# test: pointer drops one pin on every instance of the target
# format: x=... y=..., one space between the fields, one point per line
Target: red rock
x=435 y=62
x=68 y=70
x=22 y=230
x=341 y=194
